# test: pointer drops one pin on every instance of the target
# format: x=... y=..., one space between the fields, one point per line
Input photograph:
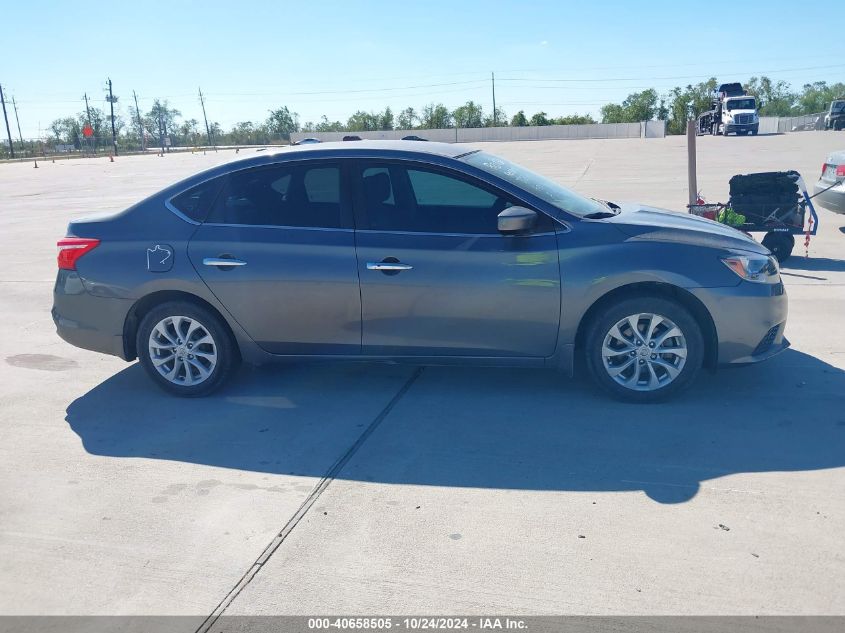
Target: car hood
x=642 y=222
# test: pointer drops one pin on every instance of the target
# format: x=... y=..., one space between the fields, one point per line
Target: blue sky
x=333 y=58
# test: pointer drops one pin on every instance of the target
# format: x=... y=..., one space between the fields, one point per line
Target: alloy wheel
x=182 y=350
x=644 y=352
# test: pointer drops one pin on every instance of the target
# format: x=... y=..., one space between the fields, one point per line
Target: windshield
x=837 y=106
x=535 y=184
x=741 y=104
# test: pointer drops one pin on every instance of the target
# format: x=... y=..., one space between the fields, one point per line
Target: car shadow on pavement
x=487 y=428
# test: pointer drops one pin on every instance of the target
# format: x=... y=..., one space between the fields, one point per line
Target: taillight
x=72 y=248
x=824 y=168
x=840 y=171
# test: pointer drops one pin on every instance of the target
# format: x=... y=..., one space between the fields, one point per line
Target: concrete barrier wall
x=768 y=125
x=646 y=129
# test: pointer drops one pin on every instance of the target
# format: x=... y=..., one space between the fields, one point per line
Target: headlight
x=756 y=268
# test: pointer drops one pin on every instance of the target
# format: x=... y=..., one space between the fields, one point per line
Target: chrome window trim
x=423 y=158
x=277 y=226
x=177 y=212
x=435 y=233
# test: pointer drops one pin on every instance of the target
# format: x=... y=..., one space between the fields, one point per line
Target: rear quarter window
x=196 y=202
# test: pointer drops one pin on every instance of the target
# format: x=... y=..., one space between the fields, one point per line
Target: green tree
x=363 y=121
x=435 y=116
x=282 y=122
x=328 y=126
x=386 y=119
x=775 y=97
x=161 y=112
x=519 y=119
x=500 y=120
x=539 y=118
x=470 y=114
x=612 y=113
x=573 y=119
x=816 y=97
x=640 y=106
x=407 y=119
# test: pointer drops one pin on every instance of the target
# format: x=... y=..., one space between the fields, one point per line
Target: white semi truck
x=732 y=110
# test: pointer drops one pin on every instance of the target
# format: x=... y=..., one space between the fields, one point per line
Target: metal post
x=8 y=131
x=691 y=166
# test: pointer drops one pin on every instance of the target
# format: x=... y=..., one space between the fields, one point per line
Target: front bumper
x=832 y=199
x=750 y=320
x=835 y=123
x=741 y=127
x=88 y=321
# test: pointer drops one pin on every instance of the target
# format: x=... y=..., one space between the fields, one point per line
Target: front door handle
x=223 y=261
x=388 y=266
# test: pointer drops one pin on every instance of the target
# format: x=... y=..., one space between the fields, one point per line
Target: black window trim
x=359 y=164
x=347 y=223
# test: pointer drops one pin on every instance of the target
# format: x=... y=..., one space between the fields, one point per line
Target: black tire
x=781 y=245
x=227 y=354
x=599 y=329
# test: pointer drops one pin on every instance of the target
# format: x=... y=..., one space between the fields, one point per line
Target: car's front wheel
x=186 y=349
x=644 y=349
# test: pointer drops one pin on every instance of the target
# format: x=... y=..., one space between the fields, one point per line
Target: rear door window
x=298 y=195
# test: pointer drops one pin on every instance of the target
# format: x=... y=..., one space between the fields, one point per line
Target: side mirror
x=516 y=220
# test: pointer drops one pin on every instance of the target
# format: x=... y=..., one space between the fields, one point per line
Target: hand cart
x=776 y=203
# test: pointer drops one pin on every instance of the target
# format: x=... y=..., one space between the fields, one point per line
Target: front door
x=438 y=279
x=278 y=250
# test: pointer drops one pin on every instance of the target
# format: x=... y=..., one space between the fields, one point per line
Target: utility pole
x=160 y=130
x=88 y=114
x=205 y=118
x=87 y=109
x=8 y=131
x=113 y=134
x=17 y=120
x=140 y=125
x=493 y=84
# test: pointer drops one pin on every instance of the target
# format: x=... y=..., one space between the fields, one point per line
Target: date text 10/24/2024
x=419 y=623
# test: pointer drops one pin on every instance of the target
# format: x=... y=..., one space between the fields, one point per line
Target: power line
x=604 y=79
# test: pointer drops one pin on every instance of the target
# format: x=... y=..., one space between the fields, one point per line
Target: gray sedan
x=412 y=252
x=830 y=189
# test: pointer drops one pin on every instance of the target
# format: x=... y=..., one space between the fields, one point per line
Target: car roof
x=450 y=150
x=312 y=151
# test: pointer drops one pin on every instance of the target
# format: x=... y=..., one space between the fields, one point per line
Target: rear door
x=277 y=249
x=438 y=279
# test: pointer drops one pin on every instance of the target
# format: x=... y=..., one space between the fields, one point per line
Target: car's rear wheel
x=644 y=349
x=186 y=349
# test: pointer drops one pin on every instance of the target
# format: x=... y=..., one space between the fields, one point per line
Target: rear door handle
x=388 y=266
x=223 y=261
